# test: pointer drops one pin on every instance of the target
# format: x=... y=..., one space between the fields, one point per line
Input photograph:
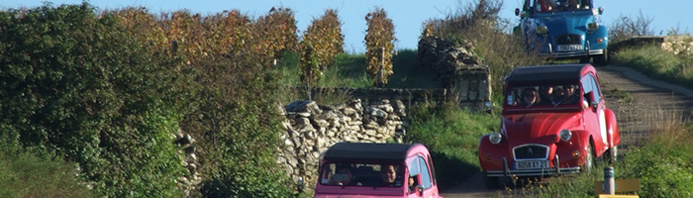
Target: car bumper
x=532 y=172
x=570 y=54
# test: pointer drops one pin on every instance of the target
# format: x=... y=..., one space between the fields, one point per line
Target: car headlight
x=542 y=29
x=495 y=138
x=565 y=135
x=592 y=26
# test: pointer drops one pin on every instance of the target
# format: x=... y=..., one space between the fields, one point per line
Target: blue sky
x=407 y=15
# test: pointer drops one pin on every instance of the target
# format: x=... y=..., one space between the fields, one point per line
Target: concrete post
x=609 y=182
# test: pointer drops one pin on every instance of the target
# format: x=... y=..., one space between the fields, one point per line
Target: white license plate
x=533 y=164
x=569 y=47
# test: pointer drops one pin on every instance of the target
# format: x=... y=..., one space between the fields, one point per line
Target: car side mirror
x=601 y=10
x=419 y=190
x=517 y=11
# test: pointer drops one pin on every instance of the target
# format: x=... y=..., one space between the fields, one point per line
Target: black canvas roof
x=546 y=73
x=368 y=151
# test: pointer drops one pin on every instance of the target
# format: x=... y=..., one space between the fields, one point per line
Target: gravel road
x=651 y=104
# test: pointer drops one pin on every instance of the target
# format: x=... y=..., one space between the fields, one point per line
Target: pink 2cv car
x=378 y=170
x=554 y=121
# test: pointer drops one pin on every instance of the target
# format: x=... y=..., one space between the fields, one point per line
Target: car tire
x=602 y=60
x=590 y=162
x=491 y=182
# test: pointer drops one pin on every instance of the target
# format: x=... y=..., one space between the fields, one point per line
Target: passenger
x=546 y=5
x=567 y=95
x=343 y=176
x=530 y=97
x=412 y=184
x=388 y=173
x=573 y=5
x=546 y=94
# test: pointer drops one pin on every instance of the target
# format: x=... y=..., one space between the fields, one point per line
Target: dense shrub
x=109 y=91
x=380 y=46
x=78 y=85
x=322 y=41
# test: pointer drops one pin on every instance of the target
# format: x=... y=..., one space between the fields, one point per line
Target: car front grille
x=568 y=39
x=531 y=152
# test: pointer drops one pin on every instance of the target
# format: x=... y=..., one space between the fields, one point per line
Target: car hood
x=542 y=128
x=567 y=23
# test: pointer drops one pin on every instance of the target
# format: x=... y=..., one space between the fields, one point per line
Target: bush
x=76 y=84
x=627 y=27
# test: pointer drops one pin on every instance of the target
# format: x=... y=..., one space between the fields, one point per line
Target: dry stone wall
x=312 y=128
x=467 y=80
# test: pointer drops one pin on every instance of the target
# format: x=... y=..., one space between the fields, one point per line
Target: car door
x=594 y=118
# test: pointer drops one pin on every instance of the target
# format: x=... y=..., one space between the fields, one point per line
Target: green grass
x=28 y=173
x=452 y=135
x=657 y=63
x=349 y=70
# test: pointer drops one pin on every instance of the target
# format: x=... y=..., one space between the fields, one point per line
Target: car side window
x=597 y=92
x=590 y=86
x=425 y=175
x=587 y=87
x=433 y=171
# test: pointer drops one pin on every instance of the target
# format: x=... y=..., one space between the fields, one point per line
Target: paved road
x=654 y=104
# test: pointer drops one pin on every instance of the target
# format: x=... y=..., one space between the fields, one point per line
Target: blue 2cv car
x=564 y=29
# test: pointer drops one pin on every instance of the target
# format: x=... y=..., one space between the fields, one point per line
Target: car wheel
x=491 y=182
x=601 y=60
x=590 y=162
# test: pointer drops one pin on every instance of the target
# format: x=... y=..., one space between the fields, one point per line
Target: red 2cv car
x=554 y=121
x=379 y=170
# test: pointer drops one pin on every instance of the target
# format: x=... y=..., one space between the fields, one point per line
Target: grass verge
x=657 y=63
x=30 y=173
x=452 y=135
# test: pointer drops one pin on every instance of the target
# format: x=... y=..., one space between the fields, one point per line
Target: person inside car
x=388 y=174
x=566 y=95
x=412 y=184
x=343 y=176
x=530 y=97
x=546 y=5
x=546 y=94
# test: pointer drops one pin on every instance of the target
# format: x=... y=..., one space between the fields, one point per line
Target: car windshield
x=543 y=95
x=362 y=174
x=562 y=5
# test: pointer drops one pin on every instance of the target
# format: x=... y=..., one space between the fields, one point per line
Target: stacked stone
x=312 y=129
x=190 y=181
x=461 y=71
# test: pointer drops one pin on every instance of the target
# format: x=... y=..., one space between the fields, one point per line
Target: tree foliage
x=322 y=41
x=380 y=47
